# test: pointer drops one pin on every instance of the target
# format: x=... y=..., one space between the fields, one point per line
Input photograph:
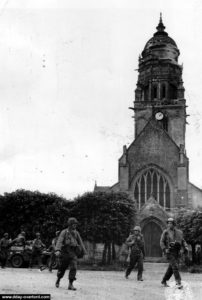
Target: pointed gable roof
x=153 y=124
x=153 y=209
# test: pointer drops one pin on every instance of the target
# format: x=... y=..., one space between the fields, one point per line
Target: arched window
x=172 y=92
x=146 y=93
x=152 y=182
x=154 y=92
x=163 y=91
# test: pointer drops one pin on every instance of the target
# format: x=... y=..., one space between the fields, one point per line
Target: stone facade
x=154 y=169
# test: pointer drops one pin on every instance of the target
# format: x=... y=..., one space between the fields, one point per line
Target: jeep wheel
x=16 y=261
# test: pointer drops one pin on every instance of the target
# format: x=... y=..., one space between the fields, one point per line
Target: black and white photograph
x=101 y=149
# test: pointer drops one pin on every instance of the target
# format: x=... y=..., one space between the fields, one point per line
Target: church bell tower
x=154 y=169
x=155 y=164
x=160 y=93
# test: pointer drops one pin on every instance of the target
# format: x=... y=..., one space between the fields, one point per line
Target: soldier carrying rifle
x=171 y=243
x=68 y=249
x=137 y=252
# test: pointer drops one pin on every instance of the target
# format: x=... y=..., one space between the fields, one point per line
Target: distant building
x=154 y=169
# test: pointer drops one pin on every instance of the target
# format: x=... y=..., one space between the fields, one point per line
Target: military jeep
x=19 y=255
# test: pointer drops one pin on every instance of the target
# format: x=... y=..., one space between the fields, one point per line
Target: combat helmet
x=171 y=220
x=137 y=228
x=72 y=221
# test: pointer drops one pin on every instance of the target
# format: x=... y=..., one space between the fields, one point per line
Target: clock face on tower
x=159 y=116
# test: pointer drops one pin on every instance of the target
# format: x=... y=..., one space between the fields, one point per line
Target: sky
x=67 y=79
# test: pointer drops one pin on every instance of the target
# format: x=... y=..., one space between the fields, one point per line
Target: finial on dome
x=160 y=17
x=160 y=26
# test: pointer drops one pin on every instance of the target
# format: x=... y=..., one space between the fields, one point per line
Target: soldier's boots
x=71 y=287
x=57 y=284
x=179 y=285
x=127 y=274
x=164 y=283
x=140 y=279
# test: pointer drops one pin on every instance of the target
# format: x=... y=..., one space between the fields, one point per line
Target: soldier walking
x=52 y=248
x=198 y=253
x=171 y=243
x=5 y=243
x=69 y=248
x=37 y=248
x=137 y=252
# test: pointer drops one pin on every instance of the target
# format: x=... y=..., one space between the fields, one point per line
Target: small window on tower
x=163 y=95
x=154 y=92
x=146 y=93
x=172 y=92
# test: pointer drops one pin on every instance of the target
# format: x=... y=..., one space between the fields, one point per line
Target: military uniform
x=4 y=248
x=171 y=242
x=137 y=253
x=198 y=254
x=67 y=243
x=52 y=248
x=37 y=248
x=20 y=240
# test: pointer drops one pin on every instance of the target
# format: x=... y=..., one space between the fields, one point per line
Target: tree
x=32 y=212
x=190 y=222
x=105 y=218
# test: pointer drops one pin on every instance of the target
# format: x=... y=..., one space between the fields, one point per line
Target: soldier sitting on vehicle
x=20 y=240
x=37 y=248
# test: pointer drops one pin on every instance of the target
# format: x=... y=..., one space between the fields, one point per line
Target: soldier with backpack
x=69 y=248
x=171 y=243
x=137 y=252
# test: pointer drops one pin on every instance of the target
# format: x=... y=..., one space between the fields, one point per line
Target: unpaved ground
x=94 y=285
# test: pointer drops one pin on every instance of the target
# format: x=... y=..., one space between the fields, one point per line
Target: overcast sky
x=67 y=78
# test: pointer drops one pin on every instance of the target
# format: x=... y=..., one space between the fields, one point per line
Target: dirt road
x=94 y=285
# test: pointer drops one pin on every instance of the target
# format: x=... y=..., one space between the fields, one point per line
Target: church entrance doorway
x=152 y=234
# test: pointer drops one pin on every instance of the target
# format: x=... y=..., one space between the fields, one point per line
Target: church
x=154 y=169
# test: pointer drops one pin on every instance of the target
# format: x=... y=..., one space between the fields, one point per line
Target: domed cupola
x=160 y=75
x=160 y=46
